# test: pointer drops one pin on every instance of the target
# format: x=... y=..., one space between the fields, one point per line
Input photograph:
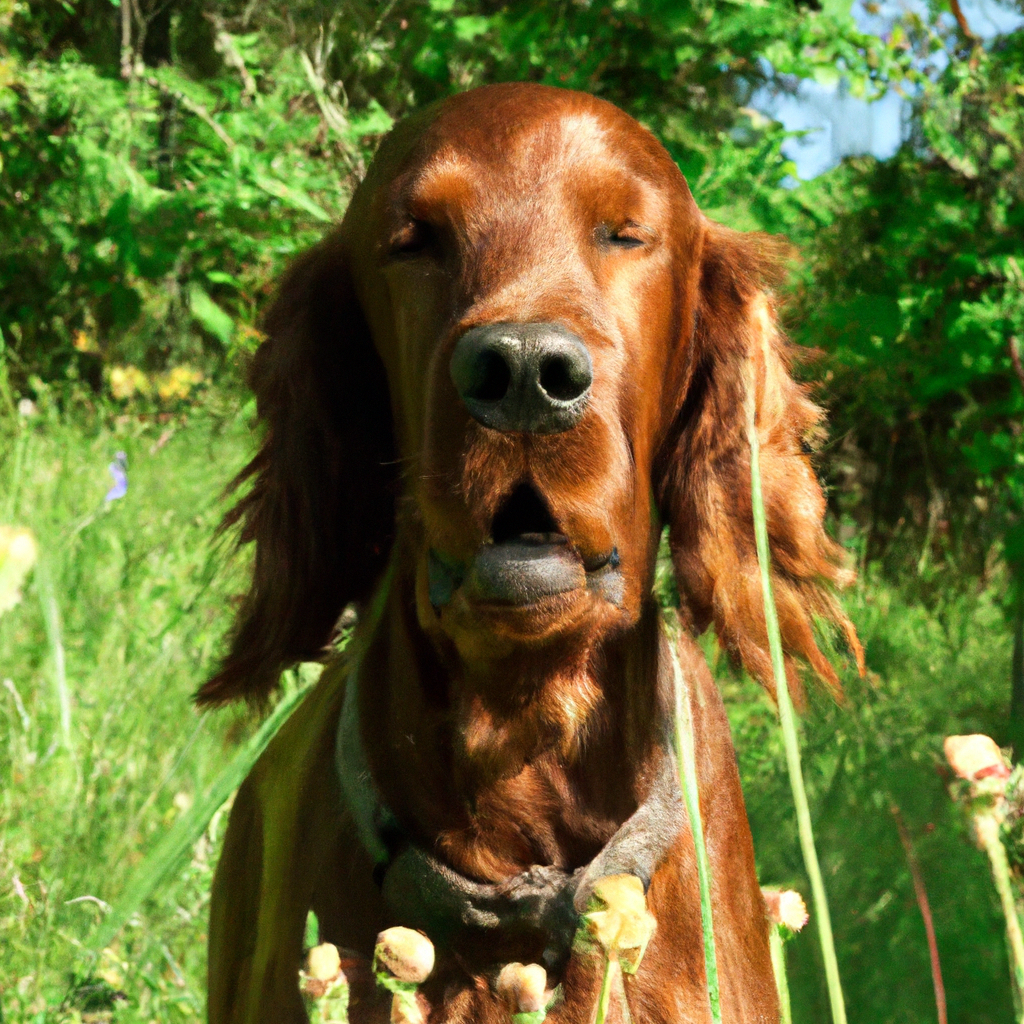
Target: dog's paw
x=618 y=920
x=402 y=960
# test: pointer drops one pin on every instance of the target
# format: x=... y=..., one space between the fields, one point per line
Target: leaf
x=291 y=196
x=210 y=315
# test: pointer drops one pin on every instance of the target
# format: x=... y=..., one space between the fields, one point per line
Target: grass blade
x=778 y=952
x=183 y=835
x=687 y=764
x=787 y=719
x=55 y=639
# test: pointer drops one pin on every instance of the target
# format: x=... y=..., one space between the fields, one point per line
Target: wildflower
x=620 y=920
x=406 y=954
x=975 y=757
x=127 y=382
x=323 y=965
x=18 y=553
x=323 y=962
x=26 y=408
x=324 y=985
x=402 y=959
x=177 y=383
x=786 y=908
x=523 y=987
x=119 y=472
x=787 y=915
x=84 y=342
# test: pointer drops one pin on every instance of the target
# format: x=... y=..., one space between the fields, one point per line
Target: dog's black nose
x=533 y=378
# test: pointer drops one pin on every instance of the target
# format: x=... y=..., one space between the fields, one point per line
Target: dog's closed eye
x=412 y=239
x=622 y=236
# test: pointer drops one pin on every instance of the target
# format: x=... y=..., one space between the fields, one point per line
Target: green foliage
x=915 y=286
x=139 y=599
x=148 y=199
x=932 y=673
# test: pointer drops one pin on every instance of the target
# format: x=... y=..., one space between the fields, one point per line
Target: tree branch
x=195 y=108
x=961 y=20
x=1014 y=346
x=225 y=46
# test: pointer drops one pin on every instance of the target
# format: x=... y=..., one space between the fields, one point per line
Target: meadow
x=101 y=750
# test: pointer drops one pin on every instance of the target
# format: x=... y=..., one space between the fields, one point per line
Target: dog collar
x=456 y=911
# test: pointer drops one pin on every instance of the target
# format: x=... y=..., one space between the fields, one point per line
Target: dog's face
x=525 y=290
x=522 y=352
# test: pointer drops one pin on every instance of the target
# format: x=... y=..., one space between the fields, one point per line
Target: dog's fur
x=501 y=736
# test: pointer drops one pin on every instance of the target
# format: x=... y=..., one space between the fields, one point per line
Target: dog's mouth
x=526 y=560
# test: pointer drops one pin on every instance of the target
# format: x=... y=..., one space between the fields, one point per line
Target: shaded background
x=162 y=160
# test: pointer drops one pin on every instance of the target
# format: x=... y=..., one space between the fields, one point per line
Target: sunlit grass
x=94 y=771
x=100 y=749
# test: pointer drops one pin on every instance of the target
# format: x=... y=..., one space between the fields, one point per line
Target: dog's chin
x=522 y=572
x=531 y=579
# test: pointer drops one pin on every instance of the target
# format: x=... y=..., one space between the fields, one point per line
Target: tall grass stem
x=787 y=716
x=14 y=485
x=5 y=383
x=988 y=832
x=185 y=832
x=778 y=951
x=55 y=639
x=687 y=764
x=605 y=996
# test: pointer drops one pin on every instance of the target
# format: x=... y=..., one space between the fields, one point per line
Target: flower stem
x=779 y=967
x=988 y=833
x=787 y=719
x=687 y=764
x=926 y=913
x=606 y=991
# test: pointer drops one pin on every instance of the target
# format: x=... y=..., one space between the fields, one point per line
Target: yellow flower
x=178 y=383
x=85 y=343
x=620 y=920
x=111 y=968
x=127 y=382
x=323 y=962
x=18 y=553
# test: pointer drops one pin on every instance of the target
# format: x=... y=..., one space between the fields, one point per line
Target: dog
x=521 y=356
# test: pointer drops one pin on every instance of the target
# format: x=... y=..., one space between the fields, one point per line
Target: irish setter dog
x=520 y=357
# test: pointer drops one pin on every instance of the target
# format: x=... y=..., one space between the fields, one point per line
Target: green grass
x=93 y=773
x=137 y=597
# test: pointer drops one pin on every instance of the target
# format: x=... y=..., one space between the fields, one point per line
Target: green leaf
x=211 y=317
x=470 y=26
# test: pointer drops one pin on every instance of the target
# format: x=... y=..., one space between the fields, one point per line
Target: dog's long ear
x=321 y=504
x=703 y=475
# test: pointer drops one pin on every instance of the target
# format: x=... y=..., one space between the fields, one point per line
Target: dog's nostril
x=522 y=378
x=564 y=378
x=491 y=377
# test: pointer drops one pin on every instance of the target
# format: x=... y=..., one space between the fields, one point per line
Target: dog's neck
x=488 y=765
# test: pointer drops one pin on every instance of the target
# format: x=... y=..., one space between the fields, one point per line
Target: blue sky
x=840 y=125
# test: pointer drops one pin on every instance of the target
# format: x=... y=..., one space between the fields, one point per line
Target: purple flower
x=119 y=471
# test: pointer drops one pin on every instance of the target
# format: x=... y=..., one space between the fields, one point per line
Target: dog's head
x=522 y=352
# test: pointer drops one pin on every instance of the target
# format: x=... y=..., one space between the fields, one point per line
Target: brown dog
x=523 y=351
